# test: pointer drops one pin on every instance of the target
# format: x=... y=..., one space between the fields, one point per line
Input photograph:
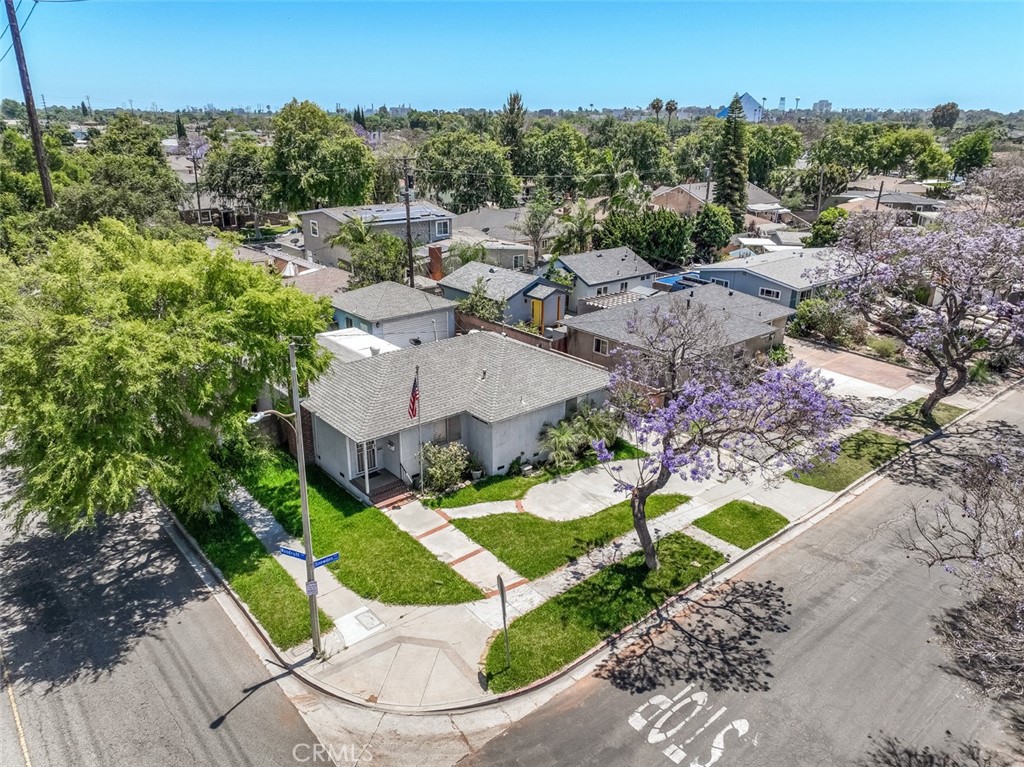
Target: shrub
x=884 y=347
x=562 y=442
x=779 y=354
x=515 y=468
x=1005 y=360
x=979 y=372
x=443 y=465
x=823 y=317
x=569 y=440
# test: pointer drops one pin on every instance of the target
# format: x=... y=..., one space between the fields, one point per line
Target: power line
x=23 y=25
x=9 y=26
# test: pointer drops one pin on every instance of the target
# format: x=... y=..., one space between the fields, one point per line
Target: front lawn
x=503 y=488
x=270 y=593
x=565 y=627
x=378 y=560
x=860 y=453
x=533 y=546
x=742 y=523
x=909 y=417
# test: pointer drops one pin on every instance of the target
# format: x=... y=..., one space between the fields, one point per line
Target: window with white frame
x=805 y=294
x=771 y=293
x=314 y=229
x=723 y=283
x=623 y=287
x=519 y=261
x=205 y=217
x=602 y=291
x=601 y=347
x=443 y=228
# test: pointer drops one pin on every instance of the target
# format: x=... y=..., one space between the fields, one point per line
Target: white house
x=490 y=392
x=600 y=272
x=397 y=313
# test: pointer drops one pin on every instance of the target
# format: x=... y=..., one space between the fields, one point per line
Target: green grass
x=378 y=560
x=909 y=417
x=271 y=594
x=742 y=523
x=859 y=454
x=563 y=628
x=266 y=231
x=533 y=546
x=502 y=488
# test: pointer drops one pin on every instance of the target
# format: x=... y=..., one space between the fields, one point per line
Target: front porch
x=381 y=487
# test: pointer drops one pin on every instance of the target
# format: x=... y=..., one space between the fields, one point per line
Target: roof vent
x=730 y=292
x=598 y=254
x=483 y=375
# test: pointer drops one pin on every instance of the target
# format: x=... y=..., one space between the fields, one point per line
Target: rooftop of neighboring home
x=479 y=373
x=791 y=238
x=860 y=200
x=387 y=213
x=467 y=235
x=499 y=223
x=892 y=183
x=596 y=303
x=792 y=267
x=388 y=300
x=743 y=317
x=327 y=281
x=755 y=194
x=501 y=284
x=351 y=344
x=596 y=267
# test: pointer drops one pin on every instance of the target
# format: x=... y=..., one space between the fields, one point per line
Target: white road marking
x=14 y=709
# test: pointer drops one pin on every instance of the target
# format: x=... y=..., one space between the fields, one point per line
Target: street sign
x=326 y=560
x=504 y=621
x=311 y=588
x=292 y=553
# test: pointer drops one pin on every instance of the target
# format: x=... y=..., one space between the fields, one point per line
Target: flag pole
x=419 y=427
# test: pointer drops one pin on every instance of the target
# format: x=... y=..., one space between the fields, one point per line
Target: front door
x=370 y=455
x=538 y=314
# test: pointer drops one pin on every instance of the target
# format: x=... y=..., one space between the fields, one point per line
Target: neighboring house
x=397 y=313
x=325 y=282
x=859 y=201
x=276 y=261
x=502 y=224
x=600 y=272
x=505 y=253
x=786 y=277
x=790 y=238
x=489 y=392
x=748 y=325
x=690 y=199
x=429 y=223
x=530 y=298
x=753 y=112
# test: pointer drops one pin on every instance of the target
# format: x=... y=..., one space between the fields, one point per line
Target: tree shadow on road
x=715 y=642
x=890 y=751
x=937 y=460
x=72 y=608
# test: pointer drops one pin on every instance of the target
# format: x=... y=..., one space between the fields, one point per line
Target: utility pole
x=408 y=221
x=131 y=105
x=88 y=103
x=878 y=200
x=30 y=105
x=821 y=180
x=46 y=112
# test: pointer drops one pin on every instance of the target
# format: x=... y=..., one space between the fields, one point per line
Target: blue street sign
x=326 y=560
x=292 y=553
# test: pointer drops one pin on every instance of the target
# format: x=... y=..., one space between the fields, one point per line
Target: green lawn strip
x=859 y=454
x=742 y=523
x=378 y=560
x=533 y=546
x=909 y=417
x=502 y=488
x=565 y=627
x=270 y=593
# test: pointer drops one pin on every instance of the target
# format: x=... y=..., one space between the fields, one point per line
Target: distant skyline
x=558 y=55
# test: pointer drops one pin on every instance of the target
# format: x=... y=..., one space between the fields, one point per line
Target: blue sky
x=559 y=55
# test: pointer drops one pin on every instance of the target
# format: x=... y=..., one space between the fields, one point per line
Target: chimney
x=434 y=254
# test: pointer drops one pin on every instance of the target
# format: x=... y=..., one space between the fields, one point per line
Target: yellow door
x=538 y=313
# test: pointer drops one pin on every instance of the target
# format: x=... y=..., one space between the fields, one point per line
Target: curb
x=716 y=577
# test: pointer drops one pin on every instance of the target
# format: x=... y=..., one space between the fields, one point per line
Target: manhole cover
x=368 y=620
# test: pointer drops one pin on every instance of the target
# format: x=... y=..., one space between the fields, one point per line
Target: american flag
x=414 y=397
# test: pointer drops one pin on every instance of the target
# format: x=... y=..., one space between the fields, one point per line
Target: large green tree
x=972 y=152
x=558 y=158
x=464 y=171
x=694 y=152
x=771 y=147
x=239 y=171
x=317 y=160
x=712 y=229
x=643 y=148
x=510 y=127
x=730 y=165
x=661 y=237
x=129 y=363
x=378 y=257
x=826 y=228
x=945 y=115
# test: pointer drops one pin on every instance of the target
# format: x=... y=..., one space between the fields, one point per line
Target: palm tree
x=671 y=107
x=351 y=234
x=562 y=442
x=655 y=107
x=579 y=225
x=631 y=196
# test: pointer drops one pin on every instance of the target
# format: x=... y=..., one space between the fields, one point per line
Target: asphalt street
x=118 y=656
x=822 y=653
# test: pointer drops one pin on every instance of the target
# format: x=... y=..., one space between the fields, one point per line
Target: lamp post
x=307 y=540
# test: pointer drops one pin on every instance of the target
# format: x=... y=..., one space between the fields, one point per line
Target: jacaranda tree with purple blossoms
x=698 y=411
x=945 y=290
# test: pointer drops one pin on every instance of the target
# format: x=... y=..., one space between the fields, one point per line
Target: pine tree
x=730 y=166
x=85 y=110
x=181 y=129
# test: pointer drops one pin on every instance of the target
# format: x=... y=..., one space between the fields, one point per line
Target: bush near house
x=378 y=560
x=533 y=546
x=742 y=523
x=444 y=465
x=563 y=628
x=860 y=453
x=269 y=592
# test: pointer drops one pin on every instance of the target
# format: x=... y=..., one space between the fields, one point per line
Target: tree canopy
x=465 y=170
x=730 y=165
x=661 y=237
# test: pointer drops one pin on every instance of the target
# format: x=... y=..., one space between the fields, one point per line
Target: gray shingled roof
x=387 y=300
x=385 y=213
x=793 y=268
x=755 y=194
x=743 y=317
x=596 y=267
x=482 y=374
x=325 y=281
x=501 y=283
